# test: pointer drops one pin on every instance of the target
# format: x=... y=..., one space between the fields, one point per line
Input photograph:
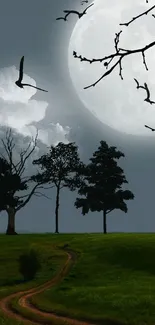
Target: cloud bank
x=20 y=111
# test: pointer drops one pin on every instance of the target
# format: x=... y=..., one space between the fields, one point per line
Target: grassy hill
x=113 y=279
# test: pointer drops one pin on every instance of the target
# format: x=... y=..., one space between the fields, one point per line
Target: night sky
x=30 y=28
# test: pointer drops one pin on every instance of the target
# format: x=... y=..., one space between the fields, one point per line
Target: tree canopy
x=102 y=183
x=9 y=184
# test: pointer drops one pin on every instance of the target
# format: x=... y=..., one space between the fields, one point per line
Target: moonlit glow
x=20 y=111
x=115 y=102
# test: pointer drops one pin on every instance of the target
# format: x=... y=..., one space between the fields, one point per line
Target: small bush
x=29 y=265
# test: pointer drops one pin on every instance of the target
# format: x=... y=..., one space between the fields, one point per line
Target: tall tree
x=102 y=184
x=60 y=167
x=13 y=181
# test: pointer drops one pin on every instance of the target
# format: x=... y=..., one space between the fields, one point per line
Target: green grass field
x=11 y=247
x=112 y=280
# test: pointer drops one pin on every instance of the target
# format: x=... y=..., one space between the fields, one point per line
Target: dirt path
x=25 y=296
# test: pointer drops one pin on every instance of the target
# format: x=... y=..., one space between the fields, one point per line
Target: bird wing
x=35 y=87
x=88 y=7
x=21 y=69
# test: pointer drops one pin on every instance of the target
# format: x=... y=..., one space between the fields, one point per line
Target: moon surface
x=115 y=102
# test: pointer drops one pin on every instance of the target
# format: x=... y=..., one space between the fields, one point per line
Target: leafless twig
x=149 y=127
x=145 y=87
x=68 y=12
x=138 y=16
x=25 y=154
x=84 y=1
x=39 y=194
x=120 y=54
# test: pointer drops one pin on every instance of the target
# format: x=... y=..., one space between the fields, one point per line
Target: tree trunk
x=11 y=222
x=104 y=222
x=57 y=210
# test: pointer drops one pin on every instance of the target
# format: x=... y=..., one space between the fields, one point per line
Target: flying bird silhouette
x=149 y=127
x=19 y=81
x=68 y=12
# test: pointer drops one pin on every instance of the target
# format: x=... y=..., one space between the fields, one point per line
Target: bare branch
x=27 y=154
x=120 y=54
x=68 y=12
x=40 y=187
x=145 y=87
x=149 y=127
x=138 y=16
x=109 y=211
x=84 y=1
x=39 y=194
x=24 y=196
x=47 y=188
x=22 y=153
x=37 y=186
x=9 y=146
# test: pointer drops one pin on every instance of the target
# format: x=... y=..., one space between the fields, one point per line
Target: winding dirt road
x=25 y=296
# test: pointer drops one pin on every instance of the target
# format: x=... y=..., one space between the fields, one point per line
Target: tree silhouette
x=12 y=180
x=102 y=184
x=60 y=167
x=29 y=264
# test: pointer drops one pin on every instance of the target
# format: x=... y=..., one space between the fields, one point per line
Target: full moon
x=115 y=102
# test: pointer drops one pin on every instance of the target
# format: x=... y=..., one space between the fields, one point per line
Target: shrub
x=29 y=265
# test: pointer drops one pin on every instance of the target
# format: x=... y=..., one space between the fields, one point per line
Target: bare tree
x=17 y=168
